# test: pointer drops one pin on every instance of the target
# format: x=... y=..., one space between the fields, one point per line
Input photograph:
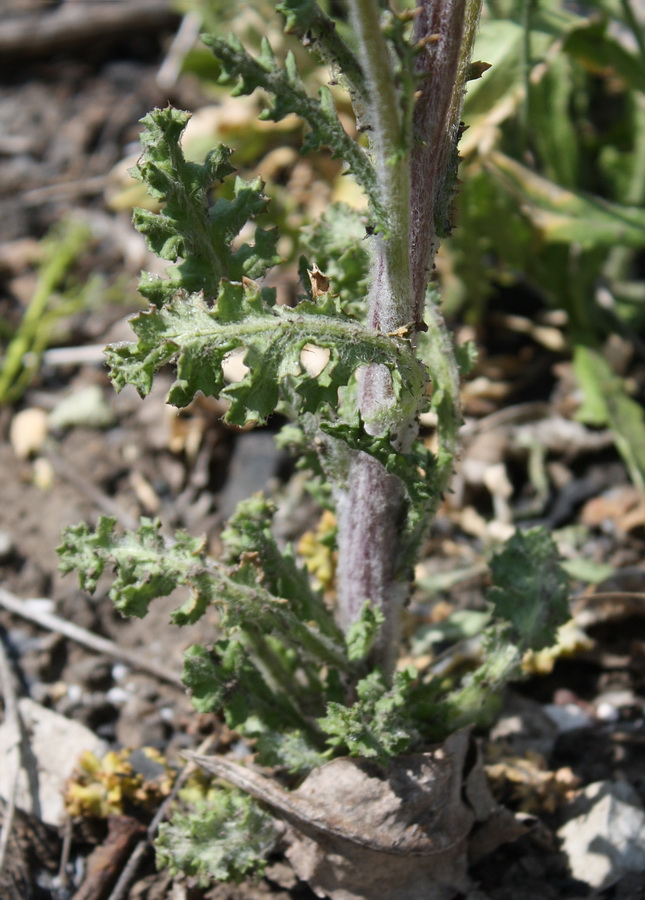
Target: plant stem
x=369 y=511
x=390 y=297
x=414 y=186
x=442 y=66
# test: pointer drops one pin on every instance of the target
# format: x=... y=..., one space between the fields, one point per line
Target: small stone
x=120 y=672
x=28 y=432
x=55 y=744
x=605 y=837
x=43 y=475
x=610 y=704
x=607 y=712
x=568 y=716
x=74 y=693
x=7 y=546
x=118 y=696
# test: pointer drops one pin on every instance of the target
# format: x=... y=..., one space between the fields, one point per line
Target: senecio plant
x=302 y=682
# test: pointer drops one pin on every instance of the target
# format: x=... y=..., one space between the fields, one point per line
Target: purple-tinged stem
x=446 y=29
x=370 y=511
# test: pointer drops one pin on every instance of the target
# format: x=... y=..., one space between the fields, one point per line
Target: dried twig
x=76 y=24
x=51 y=622
x=89 y=354
x=64 y=190
x=12 y=763
x=107 y=859
x=63 y=877
x=181 y=45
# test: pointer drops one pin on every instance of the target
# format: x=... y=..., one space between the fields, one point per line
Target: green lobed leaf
x=148 y=566
x=362 y=634
x=290 y=751
x=227 y=679
x=416 y=468
x=283 y=82
x=319 y=34
x=82 y=551
x=530 y=590
x=196 y=338
x=436 y=350
x=335 y=243
x=226 y=838
x=376 y=726
x=248 y=531
x=476 y=700
x=466 y=356
x=190 y=227
x=209 y=675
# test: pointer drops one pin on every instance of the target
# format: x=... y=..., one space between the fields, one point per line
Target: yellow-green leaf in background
x=565 y=216
x=606 y=402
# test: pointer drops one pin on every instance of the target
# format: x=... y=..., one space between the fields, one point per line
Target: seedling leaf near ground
x=227 y=838
x=530 y=590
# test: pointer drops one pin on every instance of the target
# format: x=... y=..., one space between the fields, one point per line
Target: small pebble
x=43 y=475
x=6 y=546
x=120 y=671
x=118 y=696
x=74 y=692
x=567 y=716
x=28 y=431
x=607 y=712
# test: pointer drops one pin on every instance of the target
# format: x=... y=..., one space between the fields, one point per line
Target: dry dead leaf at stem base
x=359 y=831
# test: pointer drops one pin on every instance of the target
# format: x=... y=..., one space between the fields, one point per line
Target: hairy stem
x=446 y=29
x=388 y=144
x=414 y=187
x=367 y=558
x=370 y=509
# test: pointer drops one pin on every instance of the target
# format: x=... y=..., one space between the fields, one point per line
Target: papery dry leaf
x=359 y=831
x=318 y=281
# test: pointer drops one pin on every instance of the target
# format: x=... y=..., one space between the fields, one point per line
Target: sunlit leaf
x=566 y=216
